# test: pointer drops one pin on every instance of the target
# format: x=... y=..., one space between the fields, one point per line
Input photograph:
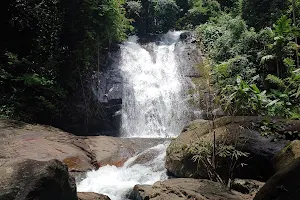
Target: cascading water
x=153 y=101
x=154 y=106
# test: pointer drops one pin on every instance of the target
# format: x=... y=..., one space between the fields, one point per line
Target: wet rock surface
x=188 y=54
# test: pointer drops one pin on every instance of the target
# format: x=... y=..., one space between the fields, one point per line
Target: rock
x=182 y=189
x=43 y=143
x=246 y=186
x=283 y=185
x=215 y=113
x=145 y=157
x=102 y=97
x=110 y=150
x=107 y=88
x=116 y=151
x=39 y=180
x=188 y=55
x=287 y=155
x=235 y=131
x=186 y=35
x=91 y=196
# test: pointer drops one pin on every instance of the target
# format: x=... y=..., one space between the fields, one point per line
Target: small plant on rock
x=203 y=153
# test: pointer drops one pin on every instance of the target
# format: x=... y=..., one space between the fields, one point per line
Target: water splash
x=118 y=182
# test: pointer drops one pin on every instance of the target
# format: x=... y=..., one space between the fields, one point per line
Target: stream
x=154 y=106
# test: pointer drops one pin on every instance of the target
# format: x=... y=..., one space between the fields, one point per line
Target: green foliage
x=243 y=99
x=227 y=4
x=227 y=37
x=263 y=62
x=277 y=129
x=200 y=11
x=165 y=12
x=152 y=16
x=281 y=49
x=262 y=13
x=159 y=16
x=275 y=80
x=134 y=8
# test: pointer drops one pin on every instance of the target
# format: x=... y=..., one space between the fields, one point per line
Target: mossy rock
x=235 y=131
x=287 y=155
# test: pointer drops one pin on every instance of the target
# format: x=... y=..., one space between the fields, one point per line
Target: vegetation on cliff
x=47 y=50
x=255 y=69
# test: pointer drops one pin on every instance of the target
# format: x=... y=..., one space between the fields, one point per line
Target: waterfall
x=154 y=106
x=153 y=103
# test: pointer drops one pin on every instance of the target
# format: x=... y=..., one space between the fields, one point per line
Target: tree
x=200 y=11
x=263 y=13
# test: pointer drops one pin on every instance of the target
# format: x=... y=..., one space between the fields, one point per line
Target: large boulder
x=183 y=189
x=283 y=185
x=236 y=131
x=91 y=196
x=43 y=143
x=39 y=180
x=287 y=155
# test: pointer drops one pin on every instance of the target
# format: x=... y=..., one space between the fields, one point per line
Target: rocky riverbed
x=33 y=157
x=35 y=146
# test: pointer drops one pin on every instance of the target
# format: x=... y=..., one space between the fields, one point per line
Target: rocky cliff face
x=94 y=109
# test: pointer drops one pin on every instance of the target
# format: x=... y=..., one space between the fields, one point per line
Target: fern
x=275 y=80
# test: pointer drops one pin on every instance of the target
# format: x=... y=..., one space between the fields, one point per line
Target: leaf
x=289 y=62
x=283 y=26
x=275 y=80
x=272 y=102
x=255 y=88
x=255 y=78
x=298 y=92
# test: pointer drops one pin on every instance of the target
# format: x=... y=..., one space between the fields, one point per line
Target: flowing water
x=154 y=106
x=153 y=101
